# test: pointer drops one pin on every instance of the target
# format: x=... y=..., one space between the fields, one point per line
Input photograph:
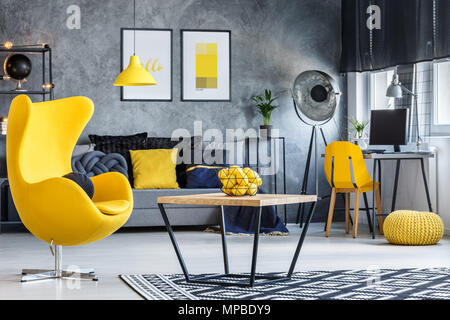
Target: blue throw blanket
x=237 y=219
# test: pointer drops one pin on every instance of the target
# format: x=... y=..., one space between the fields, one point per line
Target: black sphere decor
x=17 y=66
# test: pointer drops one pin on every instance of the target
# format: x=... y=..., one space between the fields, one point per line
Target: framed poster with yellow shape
x=154 y=49
x=205 y=65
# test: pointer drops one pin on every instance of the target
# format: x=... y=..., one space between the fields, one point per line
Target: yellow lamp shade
x=134 y=75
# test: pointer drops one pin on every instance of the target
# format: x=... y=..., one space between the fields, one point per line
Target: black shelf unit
x=47 y=77
x=46 y=52
x=278 y=142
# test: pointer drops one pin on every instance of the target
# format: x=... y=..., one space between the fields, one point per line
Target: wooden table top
x=221 y=199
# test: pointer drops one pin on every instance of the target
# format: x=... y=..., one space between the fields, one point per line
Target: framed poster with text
x=205 y=65
x=154 y=49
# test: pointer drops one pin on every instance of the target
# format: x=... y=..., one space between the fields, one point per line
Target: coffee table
x=221 y=199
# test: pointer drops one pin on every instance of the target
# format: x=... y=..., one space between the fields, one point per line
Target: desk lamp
x=396 y=90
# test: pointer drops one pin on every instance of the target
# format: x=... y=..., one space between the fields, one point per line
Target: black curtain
x=410 y=31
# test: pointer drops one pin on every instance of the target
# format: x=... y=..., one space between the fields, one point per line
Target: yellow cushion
x=413 y=228
x=113 y=206
x=154 y=168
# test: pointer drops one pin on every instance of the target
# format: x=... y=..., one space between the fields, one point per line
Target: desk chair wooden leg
x=347 y=212
x=379 y=210
x=331 y=211
x=356 y=213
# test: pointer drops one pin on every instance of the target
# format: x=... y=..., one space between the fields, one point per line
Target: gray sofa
x=146 y=212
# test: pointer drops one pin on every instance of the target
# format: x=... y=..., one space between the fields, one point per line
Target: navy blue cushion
x=83 y=181
x=203 y=176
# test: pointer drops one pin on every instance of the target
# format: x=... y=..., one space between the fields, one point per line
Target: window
x=441 y=101
x=379 y=82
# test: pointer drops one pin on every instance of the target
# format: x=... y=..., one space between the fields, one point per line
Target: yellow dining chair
x=340 y=158
x=39 y=144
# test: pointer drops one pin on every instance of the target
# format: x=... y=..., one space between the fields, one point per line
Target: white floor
x=151 y=252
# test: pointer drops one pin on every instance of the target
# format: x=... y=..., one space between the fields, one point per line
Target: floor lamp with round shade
x=316 y=96
x=135 y=74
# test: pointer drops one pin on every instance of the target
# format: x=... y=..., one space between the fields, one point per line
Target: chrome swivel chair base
x=58 y=273
x=34 y=275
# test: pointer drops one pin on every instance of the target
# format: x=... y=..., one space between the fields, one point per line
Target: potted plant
x=358 y=129
x=265 y=106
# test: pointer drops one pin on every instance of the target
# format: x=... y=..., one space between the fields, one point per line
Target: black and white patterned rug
x=374 y=284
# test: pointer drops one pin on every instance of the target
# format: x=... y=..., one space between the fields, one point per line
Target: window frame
x=372 y=87
x=435 y=128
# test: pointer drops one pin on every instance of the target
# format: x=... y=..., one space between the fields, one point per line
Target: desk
x=398 y=156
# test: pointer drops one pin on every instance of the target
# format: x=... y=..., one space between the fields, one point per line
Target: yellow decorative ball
x=407 y=227
x=239 y=191
x=250 y=174
x=252 y=189
x=258 y=179
x=222 y=174
x=239 y=175
x=238 y=182
x=228 y=191
x=228 y=182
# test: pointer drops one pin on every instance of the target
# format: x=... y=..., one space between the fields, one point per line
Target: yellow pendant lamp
x=135 y=74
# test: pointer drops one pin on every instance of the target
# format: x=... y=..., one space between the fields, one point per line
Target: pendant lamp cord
x=134 y=29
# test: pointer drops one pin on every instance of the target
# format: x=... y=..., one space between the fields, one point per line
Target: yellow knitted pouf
x=407 y=227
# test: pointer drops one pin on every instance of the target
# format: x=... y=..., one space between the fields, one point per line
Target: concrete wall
x=272 y=42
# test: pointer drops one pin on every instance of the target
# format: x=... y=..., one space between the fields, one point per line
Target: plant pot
x=265 y=131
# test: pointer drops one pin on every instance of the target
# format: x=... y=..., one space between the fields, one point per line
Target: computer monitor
x=388 y=127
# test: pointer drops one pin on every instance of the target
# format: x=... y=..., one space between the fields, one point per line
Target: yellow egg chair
x=39 y=144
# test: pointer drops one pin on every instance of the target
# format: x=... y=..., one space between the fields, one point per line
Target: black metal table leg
x=427 y=192
x=213 y=279
x=394 y=193
x=255 y=246
x=224 y=241
x=174 y=241
x=300 y=241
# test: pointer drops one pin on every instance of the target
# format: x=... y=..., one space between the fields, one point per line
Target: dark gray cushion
x=97 y=162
